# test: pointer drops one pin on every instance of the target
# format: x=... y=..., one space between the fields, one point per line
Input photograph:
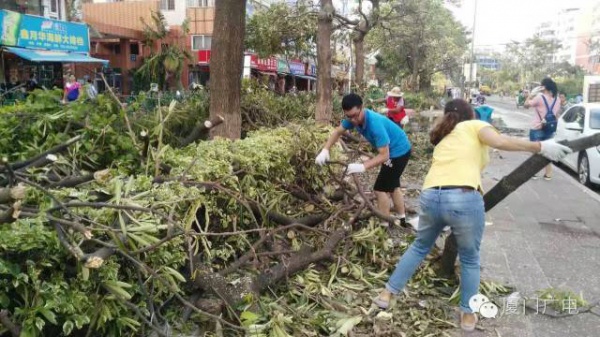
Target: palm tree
x=167 y=60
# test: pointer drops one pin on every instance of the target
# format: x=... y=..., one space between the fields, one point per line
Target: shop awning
x=52 y=56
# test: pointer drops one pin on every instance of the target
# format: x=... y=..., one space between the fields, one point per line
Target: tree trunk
x=226 y=66
x=424 y=81
x=506 y=186
x=324 y=96
x=359 y=59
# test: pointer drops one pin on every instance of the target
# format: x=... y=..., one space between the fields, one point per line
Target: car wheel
x=583 y=170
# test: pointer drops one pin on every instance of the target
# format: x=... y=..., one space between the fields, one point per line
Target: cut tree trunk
x=324 y=96
x=506 y=186
x=226 y=67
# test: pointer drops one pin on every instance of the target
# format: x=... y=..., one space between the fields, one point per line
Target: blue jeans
x=464 y=212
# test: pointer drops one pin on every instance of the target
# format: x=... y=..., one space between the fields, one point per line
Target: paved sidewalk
x=545 y=234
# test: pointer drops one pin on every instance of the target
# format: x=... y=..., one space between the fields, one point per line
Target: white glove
x=355 y=168
x=384 y=110
x=404 y=120
x=554 y=151
x=323 y=157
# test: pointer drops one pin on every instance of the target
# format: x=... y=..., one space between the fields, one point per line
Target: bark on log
x=528 y=168
x=72 y=181
x=234 y=293
x=298 y=262
x=201 y=130
x=506 y=186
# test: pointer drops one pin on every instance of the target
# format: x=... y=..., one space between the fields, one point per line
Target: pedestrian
x=564 y=103
x=91 y=90
x=71 y=89
x=544 y=100
x=395 y=107
x=393 y=149
x=452 y=196
x=32 y=83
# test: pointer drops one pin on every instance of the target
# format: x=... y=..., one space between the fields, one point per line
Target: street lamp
x=473 y=45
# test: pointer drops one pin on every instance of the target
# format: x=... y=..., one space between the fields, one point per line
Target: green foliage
x=570 y=86
x=170 y=59
x=282 y=29
x=262 y=107
x=432 y=41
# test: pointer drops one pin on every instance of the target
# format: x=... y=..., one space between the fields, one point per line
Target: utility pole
x=473 y=46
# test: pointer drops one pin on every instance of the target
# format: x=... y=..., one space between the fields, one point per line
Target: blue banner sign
x=34 y=32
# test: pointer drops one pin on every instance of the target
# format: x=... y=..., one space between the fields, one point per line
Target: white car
x=578 y=121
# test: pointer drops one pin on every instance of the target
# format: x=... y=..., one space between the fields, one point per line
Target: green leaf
x=249 y=318
x=68 y=327
x=48 y=314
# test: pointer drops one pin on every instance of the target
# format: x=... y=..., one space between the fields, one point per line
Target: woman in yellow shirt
x=451 y=196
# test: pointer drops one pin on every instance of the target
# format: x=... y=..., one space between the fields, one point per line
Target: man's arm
x=333 y=138
x=380 y=158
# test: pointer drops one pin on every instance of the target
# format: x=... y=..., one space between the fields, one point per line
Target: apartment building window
x=167 y=5
x=201 y=3
x=55 y=9
x=201 y=42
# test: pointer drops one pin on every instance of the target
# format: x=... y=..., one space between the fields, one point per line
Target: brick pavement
x=545 y=234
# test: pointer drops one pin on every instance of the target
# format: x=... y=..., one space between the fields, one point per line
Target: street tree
x=424 y=40
x=533 y=58
x=226 y=66
x=360 y=28
x=282 y=29
x=166 y=60
x=324 y=94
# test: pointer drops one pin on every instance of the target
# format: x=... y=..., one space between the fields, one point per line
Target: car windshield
x=595 y=119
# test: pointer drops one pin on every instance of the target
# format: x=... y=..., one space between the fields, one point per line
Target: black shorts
x=389 y=174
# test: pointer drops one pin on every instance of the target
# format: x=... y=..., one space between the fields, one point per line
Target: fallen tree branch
x=528 y=168
x=53 y=151
x=127 y=123
x=298 y=262
x=201 y=129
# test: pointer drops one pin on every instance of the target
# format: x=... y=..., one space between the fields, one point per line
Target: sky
x=501 y=21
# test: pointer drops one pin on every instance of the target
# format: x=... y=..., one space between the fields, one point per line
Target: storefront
x=37 y=47
x=310 y=75
x=264 y=70
x=200 y=72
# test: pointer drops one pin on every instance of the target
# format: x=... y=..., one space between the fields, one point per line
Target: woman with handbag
x=544 y=100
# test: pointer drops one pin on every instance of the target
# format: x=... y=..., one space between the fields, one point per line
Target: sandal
x=381 y=303
x=547 y=178
x=467 y=326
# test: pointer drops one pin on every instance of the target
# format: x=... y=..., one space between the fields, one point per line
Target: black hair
x=550 y=85
x=350 y=101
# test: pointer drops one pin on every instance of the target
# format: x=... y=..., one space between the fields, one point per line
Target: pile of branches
x=218 y=237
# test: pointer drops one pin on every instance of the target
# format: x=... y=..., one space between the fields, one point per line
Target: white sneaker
x=384 y=224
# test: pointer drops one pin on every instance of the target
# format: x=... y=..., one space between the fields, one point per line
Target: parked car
x=578 y=121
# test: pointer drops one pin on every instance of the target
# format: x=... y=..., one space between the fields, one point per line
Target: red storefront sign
x=268 y=64
x=204 y=56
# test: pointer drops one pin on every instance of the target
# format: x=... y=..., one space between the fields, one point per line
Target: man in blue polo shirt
x=393 y=151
